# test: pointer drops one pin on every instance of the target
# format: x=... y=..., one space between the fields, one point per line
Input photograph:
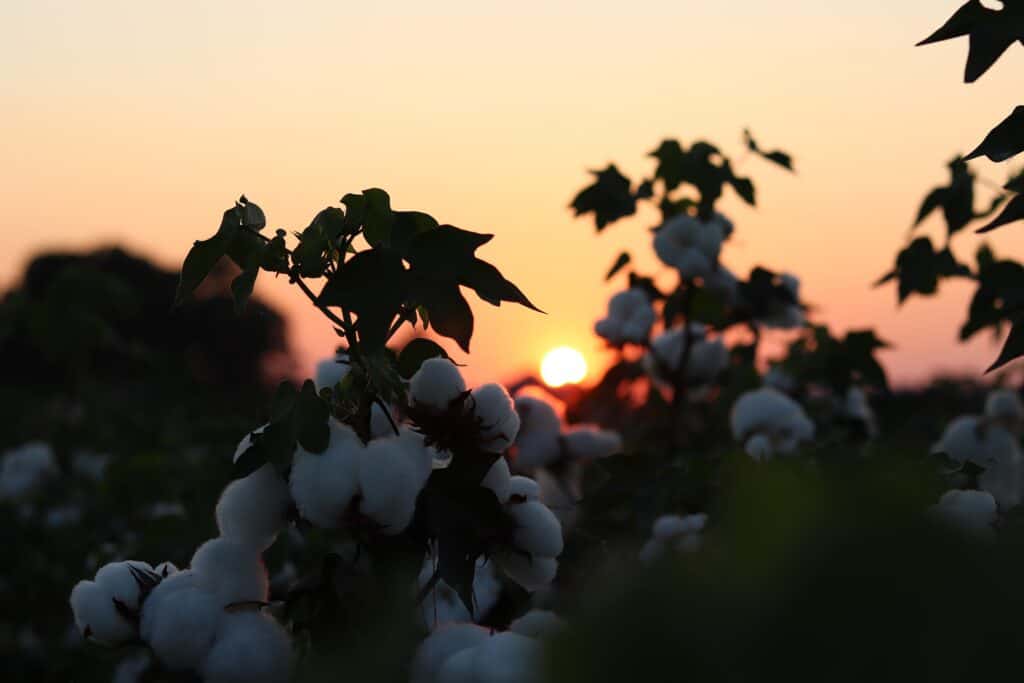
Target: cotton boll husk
x=532 y=573
x=499 y=480
x=585 y=441
x=24 y=469
x=94 y=609
x=537 y=623
x=330 y=371
x=507 y=658
x=442 y=644
x=537 y=442
x=971 y=511
x=390 y=482
x=165 y=569
x=119 y=582
x=523 y=487
x=250 y=647
x=1005 y=406
x=538 y=531
x=436 y=384
x=246 y=442
x=459 y=668
x=322 y=485
x=496 y=415
x=182 y=629
x=254 y=509
x=233 y=571
x=759 y=447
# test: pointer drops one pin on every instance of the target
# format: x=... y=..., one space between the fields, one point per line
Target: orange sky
x=131 y=123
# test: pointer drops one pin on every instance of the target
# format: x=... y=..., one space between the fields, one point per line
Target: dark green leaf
x=372 y=284
x=449 y=312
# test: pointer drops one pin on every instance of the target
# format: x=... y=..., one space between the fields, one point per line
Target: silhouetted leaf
x=1014 y=211
x=1013 y=348
x=956 y=199
x=378 y=217
x=621 y=262
x=609 y=198
x=1005 y=140
x=373 y=285
x=450 y=313
x=311 y=414
x=919 y=268
x=415 y=352
x=990 y=33
x=775 y=156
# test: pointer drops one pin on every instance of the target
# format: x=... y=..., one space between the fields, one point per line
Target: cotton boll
x=459 y=668
x=524 y=488
x=330 y=371
x=668 y=526
x=182 y=629
x=507 y=658
x=689 y=245
x=165 y=569
x=499 y=480
x=707 y=361
x=537 y=443
x=496 y=415
x=768 y=411
x=390 y=482
x=652 y=551
x=24 y=469
x=233 y=571
x=164 y=592
x=250 y=647
x=969 y=439
x=323 y=485
x=436 y=385
x=254 y=509
x=588 y=442
x=779 y=379
x=444 y=606
x=856 y=407
x=538 y=531
x=118 y=580
x=537 y=623
x=131 y=669
x=973 y=512
x=759 y=447
x=421 y=455
x=445 y=642
x=630 y=318
x=532 y=573
x=381 y=421
x=561 y=495
x=1005 y=406
x=97 y=617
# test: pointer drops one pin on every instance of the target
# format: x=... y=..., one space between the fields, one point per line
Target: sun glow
x=563 y=365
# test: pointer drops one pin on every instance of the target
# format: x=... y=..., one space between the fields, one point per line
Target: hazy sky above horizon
x=138 y=123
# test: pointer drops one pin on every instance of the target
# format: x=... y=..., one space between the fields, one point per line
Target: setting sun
x=563 y=365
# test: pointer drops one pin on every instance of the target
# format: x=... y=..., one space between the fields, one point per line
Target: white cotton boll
x=182 y=629
x=233 y=571
x=856 y=407
x=459 y=668
x=530 y=572
x=164 y=592
x=707 y=361
x=524 y=488
x=759 y=447
x=973 y=512
x=165 y=569
x=251 y=647
x=537 y=442
x=1004 y=405
x=381 y=421
x=630 y=318
x=779 y=379
x=507 y=658
x=669 y=526
x=689 y=245
x=537 y=623
x=330 y=371
x=444 y=606
x=499 y=480
x=538 y=531
x=496 y=415
x=118 y=580
x=769 y=411
x=421 y=455
x=561 y=495
x=445 y=642
x=131 y=669
x=96 y=615
x=436 y=384
x=390 y=482
x=24 y=469
x=584 y=441
x=969 y=439
x=254 y=509
x=322 y=485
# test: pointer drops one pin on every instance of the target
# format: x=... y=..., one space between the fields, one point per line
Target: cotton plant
x=769 y=423
x=988 y=443
x=673 y=533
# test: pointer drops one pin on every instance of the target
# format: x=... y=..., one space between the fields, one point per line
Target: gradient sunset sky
x=139 y=123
